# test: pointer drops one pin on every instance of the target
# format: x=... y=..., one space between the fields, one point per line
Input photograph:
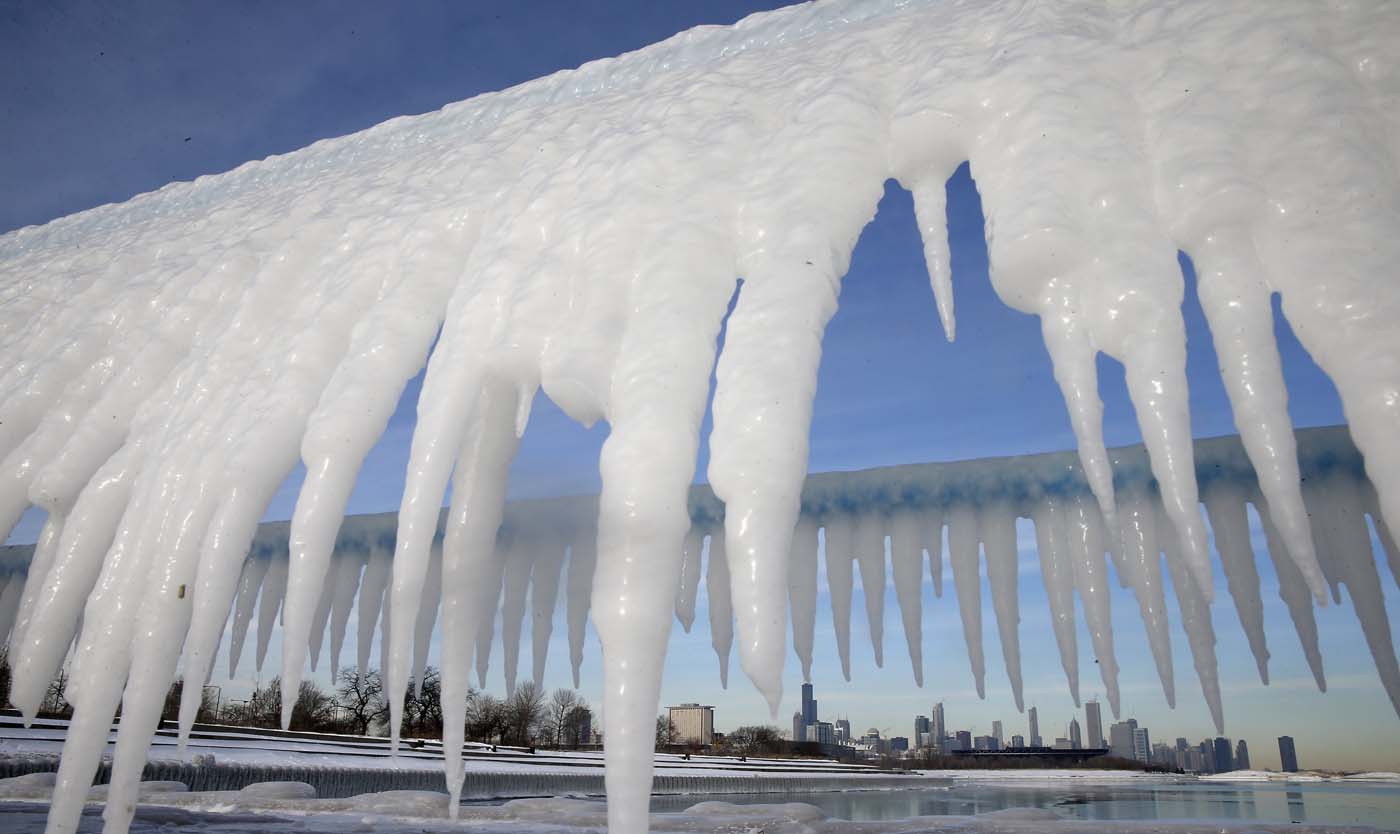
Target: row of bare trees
x=359 y=705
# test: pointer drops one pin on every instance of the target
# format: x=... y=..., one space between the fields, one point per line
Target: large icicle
x=1057 y=572
x=802 y=595
x=840 y=582
x=1141 y=559
x=717 y=584
x=870 y=556
x=997 y=529
x=1195 y=621
x=1086 y=548
x=907 y=564
x=1294 y=591
x=967 y=580
x=1228 y=520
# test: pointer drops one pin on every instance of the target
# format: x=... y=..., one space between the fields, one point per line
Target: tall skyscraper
x=843 y=731
x=997 y=733
x=1287 y=755
x=1208 y=757
x=1241 y=755
x=1142 y=745
x=799 y=729
x=937 y=726
x=1036 y=741
x=1076 y=740
x=809 y=705
x=1093 y=717
x=964 y=740
x=921 y=730
x=1224 y=757
x=1120 y=738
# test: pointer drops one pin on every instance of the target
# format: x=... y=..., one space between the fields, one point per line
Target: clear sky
x=102 y=102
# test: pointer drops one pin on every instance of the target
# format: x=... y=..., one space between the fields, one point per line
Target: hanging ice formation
x=168 y=359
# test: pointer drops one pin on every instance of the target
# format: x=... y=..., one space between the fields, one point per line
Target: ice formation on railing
x=169 y=359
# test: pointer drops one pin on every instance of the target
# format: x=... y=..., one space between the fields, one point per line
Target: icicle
x=36 y=657
x=931 y=212
x=1236 y=304
x=274 y=589
x=427 y=616
x=254 y=569
x=1142 y=567
x=583 y=559
x=544 y=597
x=371 y=604
x=997 y=529
x=933 y=547
x=967 y=580
x=1225 y=505
x=1195 y=621
x=11 y=587
x=1293 y=590
x=907 y=563
x=717 y=585
x=1388 y=544
x=494 y=591
x=1337 y=502
x=349 y=566
x=870 y=556
x=471 y=568
x=1086 y=551
x=318 y=620
x=1057 y=572
x=520 y=559
x=802 y=592
x=690 y=578
x=840 y=582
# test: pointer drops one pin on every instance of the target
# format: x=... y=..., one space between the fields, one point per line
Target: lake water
x=1326 y=803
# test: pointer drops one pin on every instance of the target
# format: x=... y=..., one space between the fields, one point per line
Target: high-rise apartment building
x=1224 y=756
x=693 y=723
x=1120 y=738
x=1241 y=755
x=799 y=728
x=1076 y=739
x=922 y=731
x=997 y=733
x=1036 y=740
x=1208 y=757
x=1142 y=745
x=936 y=725
x=1288 y=756
x=1093 y=717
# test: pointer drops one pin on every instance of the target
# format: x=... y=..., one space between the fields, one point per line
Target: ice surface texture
x=169 y=359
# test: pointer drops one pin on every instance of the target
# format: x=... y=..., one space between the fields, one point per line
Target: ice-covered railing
x=169 y=359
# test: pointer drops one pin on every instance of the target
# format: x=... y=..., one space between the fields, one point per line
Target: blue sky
x=101 y=103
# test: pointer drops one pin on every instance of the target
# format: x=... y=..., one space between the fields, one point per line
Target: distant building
x=1018 y=741
x=1287 y=755
x=1241 y=755
x=1224 y=758
x=1142 y=745
x=1093 y=717
x=822 y=733
x=899 y=744
x=1035 y=729
x=983 y=743
x=1192 y=760
x=693 y=724
x=1207 y=750
x=1076 y=739
x=964 y=740
x=922 y=731
x=799 y=727
x=997 y=732
x=938 y=728
x=1120 y=738
x=809 y=705
x=843 y=731
x=1164 y=755
x=1063 y=744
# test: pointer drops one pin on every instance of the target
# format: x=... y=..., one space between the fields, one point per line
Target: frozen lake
x=1326 y=803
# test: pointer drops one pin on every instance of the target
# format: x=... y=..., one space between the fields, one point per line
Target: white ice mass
x=167 y=360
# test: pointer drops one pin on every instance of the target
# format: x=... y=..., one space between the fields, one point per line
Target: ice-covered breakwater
x=168 y=360
x=886 y=522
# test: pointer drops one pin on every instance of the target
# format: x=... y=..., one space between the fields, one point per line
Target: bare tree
x=360 y=695
x=486 y=719
x=422 y=707
x=753 y=740
x=561 y=704
x=6 y=676
x=665 y=731
x=55 y=703
x=525 y=714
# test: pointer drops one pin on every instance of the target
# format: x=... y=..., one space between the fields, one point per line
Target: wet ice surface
x=1136 y=799
x=1139 y=806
